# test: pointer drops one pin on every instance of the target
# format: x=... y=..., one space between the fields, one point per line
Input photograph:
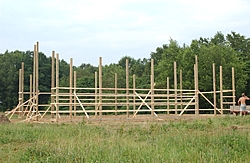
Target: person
x=242 y=103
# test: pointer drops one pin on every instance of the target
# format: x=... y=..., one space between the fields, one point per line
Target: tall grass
x=224 y=139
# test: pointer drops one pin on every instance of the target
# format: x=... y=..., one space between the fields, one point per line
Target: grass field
x=216 y=139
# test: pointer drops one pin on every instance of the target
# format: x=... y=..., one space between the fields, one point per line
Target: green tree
x=241 y=46
x=165 y=67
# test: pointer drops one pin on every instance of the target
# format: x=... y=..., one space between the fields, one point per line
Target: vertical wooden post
x=175 y=88
x=96 y=92
x=115 y=93
x=134 y=105
x=197 y=86
x=221 y=90
x=214 y=85
x=30 y=92
x=30 y=86
x=127 y=87
x=52 y=84
x=195 y=89
x=233 y=87
x=70 y=88
x=100 y=86
x=22 y=86
x=34 y=78
x=152 y=87
x=181 y=88
x=168 y=95
x=37 y=80
x=57 y=86
x=74 y=92
x=19 y=92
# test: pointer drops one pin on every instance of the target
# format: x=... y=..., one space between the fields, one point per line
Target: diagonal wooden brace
x=143 y=103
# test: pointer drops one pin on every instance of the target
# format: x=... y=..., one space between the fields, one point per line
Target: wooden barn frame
x=128 y=101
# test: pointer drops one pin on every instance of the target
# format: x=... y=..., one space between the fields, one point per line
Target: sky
x=88 y=29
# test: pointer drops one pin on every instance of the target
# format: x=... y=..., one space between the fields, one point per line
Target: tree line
x=231 y=50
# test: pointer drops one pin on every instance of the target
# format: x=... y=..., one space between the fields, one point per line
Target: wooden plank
x=52 y=81
x=70 y=85
x=186 y=106
x=81 y=105
x=175 y=88
x=143 y=102
x=100 y=86
x=221 y=91
x=127 y=86
x=57 y=86
x=208 y=101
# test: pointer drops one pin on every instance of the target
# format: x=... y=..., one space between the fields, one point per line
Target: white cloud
x=213 y=9
x=122 y=27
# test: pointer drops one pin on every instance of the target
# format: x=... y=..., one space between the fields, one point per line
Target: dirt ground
x=142 y=118
x=3 y=119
